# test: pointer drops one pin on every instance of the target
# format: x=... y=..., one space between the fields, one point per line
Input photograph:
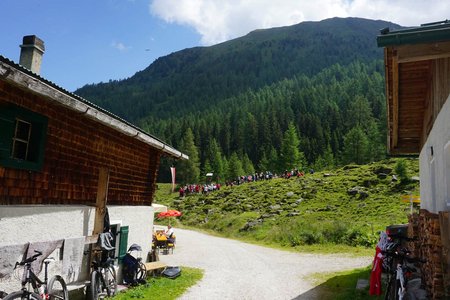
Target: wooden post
x=102 y=197
x=100 y=211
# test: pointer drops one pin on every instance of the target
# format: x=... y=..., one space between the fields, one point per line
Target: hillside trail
x=237 y=270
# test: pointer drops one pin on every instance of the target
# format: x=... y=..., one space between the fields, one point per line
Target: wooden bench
x=155 y=267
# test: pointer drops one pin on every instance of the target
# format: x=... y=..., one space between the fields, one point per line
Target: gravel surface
x=236 y=270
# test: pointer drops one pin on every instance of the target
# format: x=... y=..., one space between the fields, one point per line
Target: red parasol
x=169 y=213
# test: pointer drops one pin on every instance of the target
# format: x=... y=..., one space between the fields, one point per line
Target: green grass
x=342 y=285
x=316 y=211
x=162 y=287
x=314 y=214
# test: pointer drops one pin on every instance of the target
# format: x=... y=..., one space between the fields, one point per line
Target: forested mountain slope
x=308 y=95
x=196 y=78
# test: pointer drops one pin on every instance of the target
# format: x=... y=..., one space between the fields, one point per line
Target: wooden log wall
x=426 y=227
x=76 y=148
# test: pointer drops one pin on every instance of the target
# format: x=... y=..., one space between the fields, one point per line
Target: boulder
x=293 y=214
x=383 y=169
x=353 y=191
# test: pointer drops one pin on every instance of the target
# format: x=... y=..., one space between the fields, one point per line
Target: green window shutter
x=7 y=124
x=123 y=243
x=36 y=148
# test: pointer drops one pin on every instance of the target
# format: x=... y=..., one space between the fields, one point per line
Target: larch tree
x=189 y=170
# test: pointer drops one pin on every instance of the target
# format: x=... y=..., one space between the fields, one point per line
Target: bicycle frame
x=35 y=288
x=29 y=278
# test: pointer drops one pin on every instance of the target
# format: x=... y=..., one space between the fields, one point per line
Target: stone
x=362 y=284
x=275 y=207
x=353 y=191
x=363 y=195
x=293 y=214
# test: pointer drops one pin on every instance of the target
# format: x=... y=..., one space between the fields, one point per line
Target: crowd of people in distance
x=252 y=177
x=190 y=189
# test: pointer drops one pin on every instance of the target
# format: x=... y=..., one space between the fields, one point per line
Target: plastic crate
x=398 y=230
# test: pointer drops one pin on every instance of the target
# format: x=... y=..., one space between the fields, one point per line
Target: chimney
x=31 y=53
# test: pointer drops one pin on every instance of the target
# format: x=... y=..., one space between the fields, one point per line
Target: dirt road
x=236 y=270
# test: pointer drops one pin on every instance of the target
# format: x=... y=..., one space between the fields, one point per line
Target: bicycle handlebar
x=29 y=260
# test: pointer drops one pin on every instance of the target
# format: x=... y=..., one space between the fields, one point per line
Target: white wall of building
x=435 y=165
x=46 y=223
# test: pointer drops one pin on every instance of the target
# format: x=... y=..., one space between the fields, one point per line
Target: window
x=22 y=138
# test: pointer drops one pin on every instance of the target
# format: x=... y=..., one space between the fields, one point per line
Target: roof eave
x=27 y=81
x=416 y=36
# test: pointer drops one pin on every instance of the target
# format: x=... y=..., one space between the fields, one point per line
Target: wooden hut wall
x=440 y=85
x=75 y=149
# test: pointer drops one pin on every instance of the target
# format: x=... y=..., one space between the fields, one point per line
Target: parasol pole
x=172 y=171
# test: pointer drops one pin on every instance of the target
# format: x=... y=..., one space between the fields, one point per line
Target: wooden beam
x=102 y=196
x=395 y=89
x=409 y=53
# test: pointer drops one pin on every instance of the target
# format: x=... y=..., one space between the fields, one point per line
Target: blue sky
x=92 y=41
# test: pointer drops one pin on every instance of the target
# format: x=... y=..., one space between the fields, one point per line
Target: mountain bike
x=399 y=267
x=103 y=278
x=35 y=288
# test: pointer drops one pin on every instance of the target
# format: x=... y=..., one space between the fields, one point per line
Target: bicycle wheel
x=110 y=281
x=23 y=295
x=141 y=273
x=391 y=288
x=96 y=285
x=57 y=288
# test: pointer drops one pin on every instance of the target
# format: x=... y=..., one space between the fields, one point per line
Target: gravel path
x=236 y=270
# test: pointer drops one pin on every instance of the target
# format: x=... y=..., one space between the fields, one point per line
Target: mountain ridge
x=200 y=76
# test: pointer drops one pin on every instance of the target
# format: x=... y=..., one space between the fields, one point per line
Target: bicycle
x=103 y=278
x=397 y=266
x=35 y=288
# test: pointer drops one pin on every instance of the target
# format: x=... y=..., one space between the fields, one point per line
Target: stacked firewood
x=413 y=232
x=430 y=249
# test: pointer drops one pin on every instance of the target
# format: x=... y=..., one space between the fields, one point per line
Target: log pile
x=444 y=220
x=413 y=231
x=430 y=248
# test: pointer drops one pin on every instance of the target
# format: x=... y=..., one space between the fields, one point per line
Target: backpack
x=130 y=269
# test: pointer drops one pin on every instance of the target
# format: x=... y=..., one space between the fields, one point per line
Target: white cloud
x=120 y=46
x=220 y=20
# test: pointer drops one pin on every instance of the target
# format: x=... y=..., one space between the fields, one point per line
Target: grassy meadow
x=340 y=210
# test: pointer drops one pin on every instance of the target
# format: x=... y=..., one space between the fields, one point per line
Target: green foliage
x=316 y=209
x=290 y=156
x=341 y=285
x=235 y=167
x=401 y=171
x=324 y=77
x=356 y=146
x=163 y=288
x=188 y=170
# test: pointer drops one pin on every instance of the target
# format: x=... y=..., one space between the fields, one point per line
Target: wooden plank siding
x=417 y=86
x=76 y=148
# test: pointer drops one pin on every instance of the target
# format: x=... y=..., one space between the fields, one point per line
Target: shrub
x=402 y=172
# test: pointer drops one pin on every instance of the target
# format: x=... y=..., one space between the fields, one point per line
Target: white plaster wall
x=438 y=139
x=34 y=223
x=140 y=222
x=37 y=223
